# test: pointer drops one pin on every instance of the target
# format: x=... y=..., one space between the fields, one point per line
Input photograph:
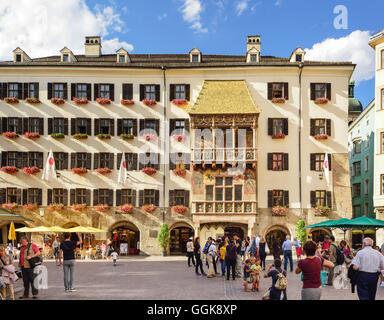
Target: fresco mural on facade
x=249 y=182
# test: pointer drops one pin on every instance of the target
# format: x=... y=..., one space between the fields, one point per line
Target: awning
x=6 y=215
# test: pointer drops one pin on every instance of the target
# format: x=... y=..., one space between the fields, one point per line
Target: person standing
x=67 y=251
x=230 y=259
x=211 y=256
x=10 y=250
x=311 y=269
x=103 y=248
x=332 y=254
x=197 y=253
x=238 y=267
x=27 y=252
x=276 y=249
x=56 y=248
x=369 y=263
x=274 y=271
x=190 y=252
x=297 y=244
x=222 y=251
x=262 y=252
x=287 y=247
x=7 y=271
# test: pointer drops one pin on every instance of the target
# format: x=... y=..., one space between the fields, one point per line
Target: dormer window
x=195 y=55
x=299 y=58
x=297 y=55
x=18 y=58
x=253 y=57
x=121 y=58
x=195 y=58
x=65 y=58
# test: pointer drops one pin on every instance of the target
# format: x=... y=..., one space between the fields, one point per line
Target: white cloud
x=161 y=16
x=353 y=47
x=278 y=3
x=191 y=13
x=241 y=6
x=253 y=8
x=44 y=27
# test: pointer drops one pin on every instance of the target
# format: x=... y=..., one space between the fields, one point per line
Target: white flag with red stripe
x=49 y=170
x=123 y=171
x=326 y=167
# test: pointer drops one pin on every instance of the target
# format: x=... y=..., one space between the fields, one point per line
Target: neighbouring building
x=377 y=43
x=361 y=156
x=218 y=144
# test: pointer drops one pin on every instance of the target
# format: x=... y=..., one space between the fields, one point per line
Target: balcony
x=223 y=207
x=200 y=155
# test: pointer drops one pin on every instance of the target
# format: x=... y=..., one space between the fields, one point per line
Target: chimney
x=92 y=46
x=351 y=89
x=253 y=42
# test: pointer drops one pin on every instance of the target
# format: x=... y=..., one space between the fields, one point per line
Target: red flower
x=10 y=169
x=149 y=102
x=127 y=102
x=278 y=136
x=80 y=100
x=79 y=170
x=10 y=135
x=31 y=135
x=149 y=171
x=31 y=170
x=103 y=101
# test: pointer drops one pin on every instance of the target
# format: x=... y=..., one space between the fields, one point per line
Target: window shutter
x=65 y=197
x=95 y=91
x=142 y=92
x=285 y=161
x=111 y=160
x=66 y=126
x=50 y=125
x=127 y=91
x=96 y=126
x=89 y=93
x=157 y=92
x=18 y=196
x=172 y=158
x=171 y=126
x=3 y=195
x=73 y=90
x=25 y=196
x=313 y=199
x=328 y=122
x=187 y=163
x=36 y=87
x=118 y=197
x=4 y=125
x=171 y=198
x=269 y=198
x=186 y=127
x=65 y=164
x=73 y=160
x=187 y=92
x=286 y=94
x=119 y=127
x=312 y=128
x=89 y=126
x=313 y=95
x=72 y=196
x=312 y=161
x=1 y=91
x=49 y=97
x=25 y=125
x=89 y=161
x=25 y=91
x=73 y=126
x=134 y=198
x=4 y=157
x=270 y=126
x=119 y=156
x=112 y=92
x=40 y=160
x=269 y=91
x=330 y=161
x=110 y=197
x=19 y=90
x=39 y=197
x=19 y=126
x=171 y=92
x=112 y=127
x=95 y=197
x=141 y=198
x=65 y=91
x=157 y=127
x=88 y=197
x=141 y=161
x=24 y=158
x=134 y=127
x=96 y=161
x=329 y=199
x=285 y=126
x=270 y=161
x=329 y=93
x=286 y=198
x=186 y=197
x=141 y=125
x=41 y=126
x=134 y=166
x=157 y=196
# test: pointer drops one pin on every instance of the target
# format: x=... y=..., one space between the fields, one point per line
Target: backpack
x=206 y=247
x=340 y=258
x=281 y=282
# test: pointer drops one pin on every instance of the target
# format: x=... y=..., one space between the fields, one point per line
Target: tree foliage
x=301 y=232
x=163 y=237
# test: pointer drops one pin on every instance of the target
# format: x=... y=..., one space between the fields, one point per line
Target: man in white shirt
x=287 y=247
x=190 y=252
x=211 y=255
x=369 y=263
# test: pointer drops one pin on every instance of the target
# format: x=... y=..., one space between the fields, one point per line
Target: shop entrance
x=231 y=231
x=275 y=238
x=319 y=234
x=126 y=239
x=178 y=240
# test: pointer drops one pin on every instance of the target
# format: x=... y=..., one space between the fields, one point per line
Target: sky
x=44 y=27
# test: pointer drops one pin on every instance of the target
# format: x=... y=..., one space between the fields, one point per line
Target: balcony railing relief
x=223 y=207
x=223 y=154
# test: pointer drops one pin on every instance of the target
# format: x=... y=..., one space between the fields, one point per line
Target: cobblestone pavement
x=162 y=278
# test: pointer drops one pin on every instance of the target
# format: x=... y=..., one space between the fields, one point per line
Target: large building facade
x=237 y=143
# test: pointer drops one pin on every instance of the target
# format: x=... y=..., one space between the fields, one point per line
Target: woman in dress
x=262 y=252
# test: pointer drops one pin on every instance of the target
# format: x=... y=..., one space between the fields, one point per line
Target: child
x=114 y=257
x=256 y=271
x=247 y=274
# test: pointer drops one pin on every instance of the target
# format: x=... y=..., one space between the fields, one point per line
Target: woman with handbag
x=7 y=269
x=348 y=255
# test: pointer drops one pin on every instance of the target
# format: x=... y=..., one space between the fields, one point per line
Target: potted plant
x=80 y=136
x=278 y=136
x=321 y=136
x=279 y=210
x=10 y=169
x=322 y=210
x=103 y=136
x=149 y=137
x=30 y=206
x=102 y=207
x=32 y=100
x=127 y=136
x=149 y=102
x=149 y=171
x=10 y=135
x=125 y=102
x=11 y=100
x=79 y=170
x=58 y=135
x=31 y=170
x=103 y=170
x=79 y=206
x=10 y=206
x=180 y=102
x=163 y=238
x=80 y=101
x=125 y=208
x=321 y=100
x=148 y=208
x=57 y=101
x=103 y=101
x=278 y=100
x=31 y=135
x=179 y=209
x=179 y=172
x=55 y=207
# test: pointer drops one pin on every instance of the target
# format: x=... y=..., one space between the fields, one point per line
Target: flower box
x=10 y=206
x=148 y=207
x=32 y=100
x=321 y=136
x=57 y=101
x=127 y=136
x=30 y=206
x=279 y=211
x=10 y=135
x=127 y=102
x=11 y=100
x=177 y=137
x=278 y=136
x=58 y=135
x=321 y=101
x=278 y=100
x=180 y=102
x=102 y=207
x=56 y=207
x=103 y=101
x=149 y=102
x=149 y=137
x=80 y=101
x=322 y=210
x=125 y=208
x=103 y=136
x=179 y=172
x=103 y=170
x=79 y=170
x=80 y=136
x=79 y=207
x=31 y=135
x=9 y=169
x=149 y=171
x=179 y=209
x=31 y=170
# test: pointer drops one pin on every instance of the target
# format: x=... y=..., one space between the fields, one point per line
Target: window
x=366 y=166
x=179 y=198
x=13 y=90
x=149 y=160
x=127 y=126
x=11 y=195
x=105 y=126
x=366 y=187
x=299 y=58
x=127 y=196
x=149 y=126
x=320 y=90
x=277 y=90
x=356 y=168
x=81 y=91
x=58 y=195
x=356 y=190
x=18 y=58
x=14 y=125
x=356 y=211
x=277 y=161
x=130 y=161
x=195 y=58
x=81 y=126
x=357 y=147
x=121 y=58
x=105 y=160
x=149 y=196
x=179 y=91
x=33 y=195
x=278 y=126
x=65 y=57
x=277 y=198
x=150 y=92
x=33 y=89
x=81 y=160
x=318 y=159
x=58 y=125
x=13 y=159
x=58 y=90
x=321 y=199
x=224 y=190
x=34 y=124
x=366 y=209
x=61 y=160
x=320 y=126
x=103 y=196
x=382 y=184
x=253 y=58
x=80 y=196
x=367 y=142
x=35 y=159
x=104 y=91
